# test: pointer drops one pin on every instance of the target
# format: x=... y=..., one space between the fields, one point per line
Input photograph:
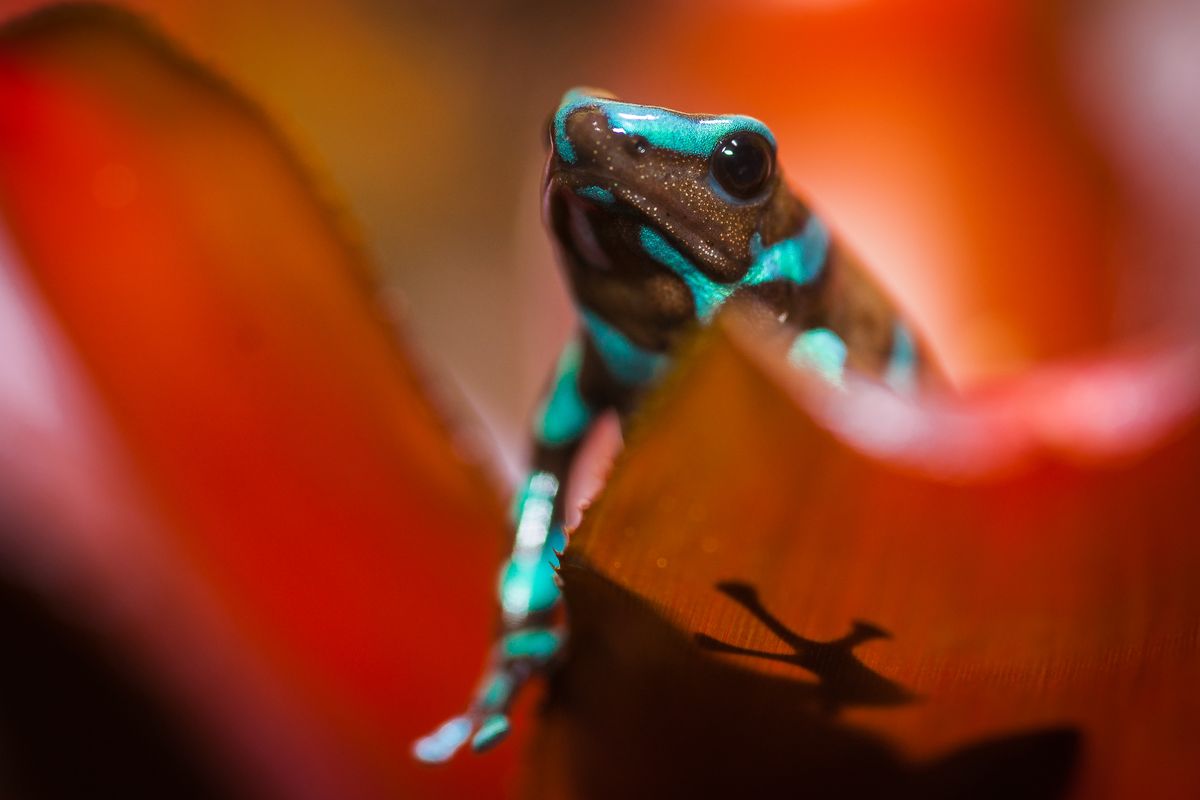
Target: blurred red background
x=956 y=145
x=1002 y=165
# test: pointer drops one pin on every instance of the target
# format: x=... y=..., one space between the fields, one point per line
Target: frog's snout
x=579 y=112
x=583 y=129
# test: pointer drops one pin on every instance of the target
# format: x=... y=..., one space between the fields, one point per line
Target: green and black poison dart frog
x=659 y=218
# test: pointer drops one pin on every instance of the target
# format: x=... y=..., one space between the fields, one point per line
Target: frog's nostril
x=637 y=146
x=577 y=129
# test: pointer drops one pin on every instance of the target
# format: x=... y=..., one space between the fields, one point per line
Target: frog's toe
x=493 y=729
x=441 y=745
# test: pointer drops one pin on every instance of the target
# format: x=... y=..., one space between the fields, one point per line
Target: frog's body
x=659 y=219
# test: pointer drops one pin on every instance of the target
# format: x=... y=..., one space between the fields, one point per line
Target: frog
x=659 y=220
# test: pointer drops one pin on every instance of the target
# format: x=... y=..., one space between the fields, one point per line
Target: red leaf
x=278 y=524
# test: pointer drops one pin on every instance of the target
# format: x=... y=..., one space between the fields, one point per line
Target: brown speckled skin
x=630 y=186
x=609 y=272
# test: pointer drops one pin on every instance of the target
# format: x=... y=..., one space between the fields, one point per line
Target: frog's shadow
x=843 y=680
x=644 y=711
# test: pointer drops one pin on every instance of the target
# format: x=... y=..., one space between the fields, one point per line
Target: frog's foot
x=441 y=745
x=518 y=656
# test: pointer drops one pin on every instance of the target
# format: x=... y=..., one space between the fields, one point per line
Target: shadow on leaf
x=843 y=679
x=639 y=709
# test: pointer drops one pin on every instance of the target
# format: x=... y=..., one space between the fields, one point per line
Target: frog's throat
x=630 y=363
x=799 y=259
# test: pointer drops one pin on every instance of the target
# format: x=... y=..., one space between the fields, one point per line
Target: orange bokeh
x=939 y=137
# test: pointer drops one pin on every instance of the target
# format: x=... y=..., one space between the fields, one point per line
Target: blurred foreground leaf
x=1004 y=606
x=212 y=454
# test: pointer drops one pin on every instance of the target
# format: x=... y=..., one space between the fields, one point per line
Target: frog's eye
x=742 y=164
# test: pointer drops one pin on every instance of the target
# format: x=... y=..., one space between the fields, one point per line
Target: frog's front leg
x=531 y=626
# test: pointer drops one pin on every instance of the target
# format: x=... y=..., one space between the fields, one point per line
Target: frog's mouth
x=582 y=207
x=598 y=239
x=577 y=222
x=603 y=233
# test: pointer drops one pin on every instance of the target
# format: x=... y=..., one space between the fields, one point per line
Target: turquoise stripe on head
x=571 y=101
x=695 y=135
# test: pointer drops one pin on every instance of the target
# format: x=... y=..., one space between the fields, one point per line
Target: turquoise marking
x=534 y=488
x=530 y=585
x=627 y=362
x=527 y=583
x=689 y=134
x=901 y=372
x=822 y=350
x=799 y=259
x=707 y=294
x=498 y=691
x=537 y=643
x=530 y=588
x=571 y=101
x=564 y=416
x=493 y=729
x=597 y=193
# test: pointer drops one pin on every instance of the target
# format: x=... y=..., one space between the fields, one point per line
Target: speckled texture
x=652 y=245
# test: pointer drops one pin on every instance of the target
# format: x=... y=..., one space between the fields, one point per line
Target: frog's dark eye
x=742 y=164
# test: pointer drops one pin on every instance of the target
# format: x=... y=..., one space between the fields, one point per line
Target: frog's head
x=624 y=178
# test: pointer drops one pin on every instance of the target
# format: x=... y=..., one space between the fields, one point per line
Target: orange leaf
x=1002 y=601
x=941 y=138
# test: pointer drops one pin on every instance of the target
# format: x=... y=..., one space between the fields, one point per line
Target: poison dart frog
x=658 y=219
